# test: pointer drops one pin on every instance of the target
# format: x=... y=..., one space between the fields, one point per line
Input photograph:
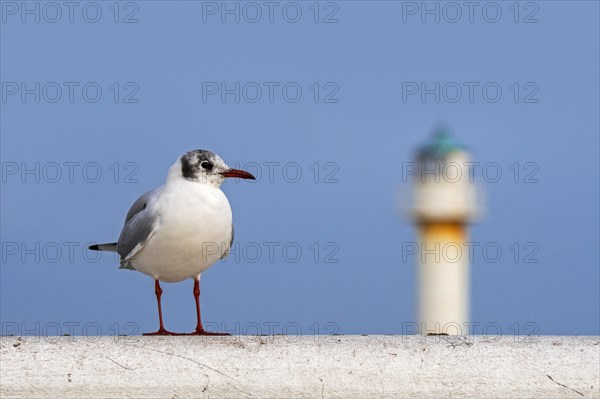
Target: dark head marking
x=193 y=163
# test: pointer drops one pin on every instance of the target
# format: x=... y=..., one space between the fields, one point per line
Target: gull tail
x=112 y=247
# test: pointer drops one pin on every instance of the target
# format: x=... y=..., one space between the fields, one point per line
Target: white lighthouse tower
x=444 y=204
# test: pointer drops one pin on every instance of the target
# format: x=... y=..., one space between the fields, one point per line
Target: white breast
x=194 y=231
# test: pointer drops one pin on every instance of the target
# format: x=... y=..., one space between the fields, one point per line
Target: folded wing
x=141 y=223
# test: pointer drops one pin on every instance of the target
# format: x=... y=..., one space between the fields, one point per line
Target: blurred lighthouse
x=444 y=205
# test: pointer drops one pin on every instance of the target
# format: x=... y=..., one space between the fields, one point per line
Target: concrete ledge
x=285 y=366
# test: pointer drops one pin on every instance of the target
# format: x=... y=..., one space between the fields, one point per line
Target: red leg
x=161 y=330
x=199 y=329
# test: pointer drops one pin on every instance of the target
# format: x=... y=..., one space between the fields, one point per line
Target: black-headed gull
x=181 y=228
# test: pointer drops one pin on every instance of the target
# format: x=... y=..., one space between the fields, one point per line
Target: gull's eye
x=207 y=165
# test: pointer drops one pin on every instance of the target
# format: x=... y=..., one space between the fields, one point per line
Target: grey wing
x=140 y=224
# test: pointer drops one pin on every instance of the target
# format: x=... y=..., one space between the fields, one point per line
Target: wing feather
x=140 y=225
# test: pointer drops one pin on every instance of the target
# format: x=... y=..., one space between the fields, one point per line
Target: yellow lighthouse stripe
x=443 y=232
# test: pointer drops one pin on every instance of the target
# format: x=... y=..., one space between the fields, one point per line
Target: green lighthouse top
x=439 y=146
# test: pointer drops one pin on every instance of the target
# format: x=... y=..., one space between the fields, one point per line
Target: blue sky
x=326 y=113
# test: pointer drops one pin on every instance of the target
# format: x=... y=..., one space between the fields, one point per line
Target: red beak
x=242 y=174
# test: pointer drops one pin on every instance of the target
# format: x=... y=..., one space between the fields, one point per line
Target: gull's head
x=203 y=166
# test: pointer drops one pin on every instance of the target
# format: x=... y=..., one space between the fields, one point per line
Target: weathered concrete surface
x=280 y=366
